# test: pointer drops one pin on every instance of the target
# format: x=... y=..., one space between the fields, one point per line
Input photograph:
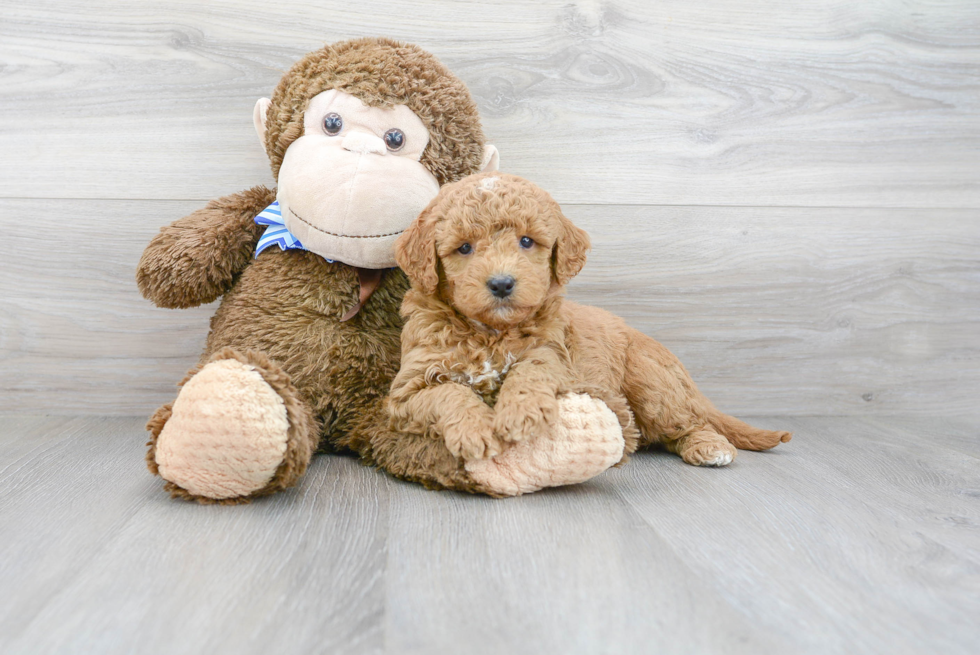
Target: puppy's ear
x=568 y=256
x=415 y=252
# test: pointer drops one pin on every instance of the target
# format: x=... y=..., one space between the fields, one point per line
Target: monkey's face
x=352 y=183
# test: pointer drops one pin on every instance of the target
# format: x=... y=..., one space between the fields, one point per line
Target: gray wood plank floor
x=860 y=536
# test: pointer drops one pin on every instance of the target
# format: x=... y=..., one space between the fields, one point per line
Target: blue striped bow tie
x=276 y=234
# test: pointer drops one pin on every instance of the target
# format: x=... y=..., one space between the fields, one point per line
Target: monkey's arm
x=195 y=259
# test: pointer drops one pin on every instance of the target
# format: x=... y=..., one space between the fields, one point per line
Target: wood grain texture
x=785 y=195
x=829 y=311
x=854 y=528
x=512 y=578
x=606 y=105
x=626 y=101
x=773 y=310
x=106 y=562
x=859 y=536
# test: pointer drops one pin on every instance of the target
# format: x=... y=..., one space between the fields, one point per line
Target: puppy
x=489 y=342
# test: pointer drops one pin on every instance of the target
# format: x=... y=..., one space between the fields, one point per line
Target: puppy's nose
x=501 y=285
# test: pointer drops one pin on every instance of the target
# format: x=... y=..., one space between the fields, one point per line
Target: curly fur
x=538 y=344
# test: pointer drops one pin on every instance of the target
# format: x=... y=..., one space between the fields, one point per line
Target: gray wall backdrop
x=785 y=194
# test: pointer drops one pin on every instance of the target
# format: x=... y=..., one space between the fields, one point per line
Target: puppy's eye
x=465 y=249
x=394 y=139
x=526 y=242
x=332 y=123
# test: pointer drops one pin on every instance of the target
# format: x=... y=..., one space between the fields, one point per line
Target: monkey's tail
x=744 y=436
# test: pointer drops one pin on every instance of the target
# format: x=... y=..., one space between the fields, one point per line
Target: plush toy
x=305 y=342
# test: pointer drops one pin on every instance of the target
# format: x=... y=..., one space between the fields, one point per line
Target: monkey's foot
x=587 y=440
x=237 y=430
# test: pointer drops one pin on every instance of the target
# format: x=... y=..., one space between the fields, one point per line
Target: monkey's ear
x=258 y=118
x=568 y=256
x=491 y=159
x=415 y=252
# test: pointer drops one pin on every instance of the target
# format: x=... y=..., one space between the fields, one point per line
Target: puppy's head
x=494 y=246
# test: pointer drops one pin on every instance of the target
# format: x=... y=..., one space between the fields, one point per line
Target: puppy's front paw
x=472 y=437
x=531 y=416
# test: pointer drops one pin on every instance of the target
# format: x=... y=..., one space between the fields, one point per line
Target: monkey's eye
x=526 y=242
x=394 y=139
x=465 y=249
x=332 y=123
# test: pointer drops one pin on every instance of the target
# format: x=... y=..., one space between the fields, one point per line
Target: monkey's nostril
x=501 y=285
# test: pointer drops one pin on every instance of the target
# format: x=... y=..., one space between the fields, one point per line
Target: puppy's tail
x=744 y=436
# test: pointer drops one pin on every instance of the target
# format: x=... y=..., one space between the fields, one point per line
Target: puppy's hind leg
x=671 y=410
x=703 y=447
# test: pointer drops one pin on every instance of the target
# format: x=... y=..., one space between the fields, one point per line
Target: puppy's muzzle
x=501 y=285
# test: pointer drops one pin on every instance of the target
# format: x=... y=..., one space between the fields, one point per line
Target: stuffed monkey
x=305 y=342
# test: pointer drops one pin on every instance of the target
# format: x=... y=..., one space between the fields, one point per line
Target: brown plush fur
x=281 y=311
x=195 y=259
x=412 y=456
x=383 y=73
x=533 y=344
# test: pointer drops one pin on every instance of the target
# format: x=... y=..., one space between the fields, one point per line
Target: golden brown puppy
x=489 y=342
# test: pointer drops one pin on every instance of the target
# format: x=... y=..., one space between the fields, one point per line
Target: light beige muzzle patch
x=351 y=206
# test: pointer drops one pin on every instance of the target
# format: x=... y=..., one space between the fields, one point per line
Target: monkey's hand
x=195 y=259
x=586 y=440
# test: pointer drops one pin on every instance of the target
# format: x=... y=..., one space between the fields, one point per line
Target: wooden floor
x=860 y=536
